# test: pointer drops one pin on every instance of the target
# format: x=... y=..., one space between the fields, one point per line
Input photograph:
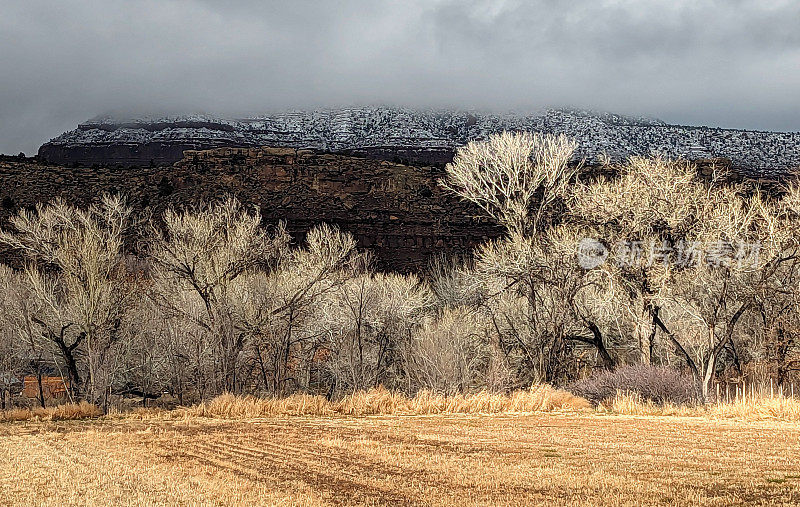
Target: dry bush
x=68 y=411
x=381 y=401
x=633 y=404
x=660 y=385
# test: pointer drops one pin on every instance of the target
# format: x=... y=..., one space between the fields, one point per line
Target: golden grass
x=752 y=408
x=64 y=412
x=553 y=458
x=383 y=402
x=758 y=408
x=539 y=398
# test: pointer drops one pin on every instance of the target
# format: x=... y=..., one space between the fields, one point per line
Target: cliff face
x=415 y=137
x=396 y=211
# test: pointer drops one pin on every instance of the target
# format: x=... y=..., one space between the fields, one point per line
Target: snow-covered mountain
x=415 y=135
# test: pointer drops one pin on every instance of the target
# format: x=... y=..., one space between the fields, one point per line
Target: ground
x=461 y=460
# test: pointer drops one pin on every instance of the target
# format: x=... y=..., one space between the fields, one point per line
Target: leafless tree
x=369 y=321
x=516 y=178
x=77 y=276
x=287 y=340
x=200 y=261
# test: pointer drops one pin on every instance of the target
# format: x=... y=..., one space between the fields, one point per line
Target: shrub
x=657 y=384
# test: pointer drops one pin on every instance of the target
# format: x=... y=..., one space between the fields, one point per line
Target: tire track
x=267 y=456
x=279 y=464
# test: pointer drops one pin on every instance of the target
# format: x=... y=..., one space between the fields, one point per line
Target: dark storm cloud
x=733 y=63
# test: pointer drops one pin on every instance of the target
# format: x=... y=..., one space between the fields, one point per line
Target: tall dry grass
x=383 y=402
x=759 y=407
x=67 y=411
x=752 y=408
x=539 y=398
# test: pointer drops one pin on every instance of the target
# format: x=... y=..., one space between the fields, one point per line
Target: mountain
x=413 y=136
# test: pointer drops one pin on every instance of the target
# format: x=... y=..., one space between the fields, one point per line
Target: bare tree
x=78 y=277
x=369 y=321
x=199 y=263
x=516 y=178
x=454 y=352
x=524 y=181
x=286 y=338
x=654 y=205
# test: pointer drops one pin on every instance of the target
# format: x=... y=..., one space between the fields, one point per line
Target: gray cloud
x=734 y=63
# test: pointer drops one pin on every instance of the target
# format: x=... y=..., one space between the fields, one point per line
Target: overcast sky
x=730 y=63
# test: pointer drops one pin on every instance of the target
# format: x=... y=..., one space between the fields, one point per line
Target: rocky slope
x=397 y=212
x=417 y=137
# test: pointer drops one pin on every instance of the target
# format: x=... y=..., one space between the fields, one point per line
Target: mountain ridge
x=422 y=137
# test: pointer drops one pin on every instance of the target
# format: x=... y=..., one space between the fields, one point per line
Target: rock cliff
x=398 y=212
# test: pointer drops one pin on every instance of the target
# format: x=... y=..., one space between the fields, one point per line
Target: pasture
x=560 y=458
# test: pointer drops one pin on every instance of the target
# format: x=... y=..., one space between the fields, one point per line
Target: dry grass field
x=561 y=458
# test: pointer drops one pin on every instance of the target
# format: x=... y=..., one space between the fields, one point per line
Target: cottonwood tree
x=651 y=208
x=286 y=338
x=200 y=258
x=520 y=179
x=525 y=181
x=453 y=352
x=77 y=275
x=369 y=320
x=777 y=298
x=19 y=337
x=20 y=314
x=544 y=302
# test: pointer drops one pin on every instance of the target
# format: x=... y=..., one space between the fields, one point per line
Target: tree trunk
x=651 y=340
x=708 y=376
x=597 y=341
x=72 y=367
x=41 y=388
x=689 y=361
x=608 y=361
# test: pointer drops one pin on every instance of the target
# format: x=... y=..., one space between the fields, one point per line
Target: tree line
x=643 y=263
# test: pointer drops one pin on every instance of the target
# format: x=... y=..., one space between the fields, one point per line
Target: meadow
x=541 y=446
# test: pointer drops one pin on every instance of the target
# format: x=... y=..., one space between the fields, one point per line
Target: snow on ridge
x=368 y=127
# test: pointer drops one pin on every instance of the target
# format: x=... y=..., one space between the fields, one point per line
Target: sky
x=729 y=63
